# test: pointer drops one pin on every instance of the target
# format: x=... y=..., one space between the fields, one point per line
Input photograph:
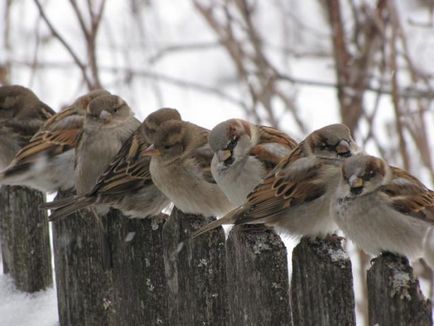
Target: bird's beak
x=105 y=116
x=343 y=149
x=356 y=184
x=151 y=151
x=223 y=155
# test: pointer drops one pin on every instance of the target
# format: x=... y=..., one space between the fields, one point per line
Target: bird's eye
x=370 y=174
x=115 y=110
x=167 y=146
x=323 y=146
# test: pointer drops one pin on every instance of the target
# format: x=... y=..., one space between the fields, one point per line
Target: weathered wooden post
x=394 y=296
x=257 y=272
x=83 y=279
x=195 y=272
x=322 y=284
x=25 y=239
x=139 y=284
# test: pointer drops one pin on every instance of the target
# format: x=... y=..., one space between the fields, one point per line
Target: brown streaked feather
x=295 y=154
x=53 y=138
x=269 y=135
x=273 y=135
x=279 y=192
x=262 y=206
x=129 y=169
x=412 y=199
x=269 y=159
x=59 y=116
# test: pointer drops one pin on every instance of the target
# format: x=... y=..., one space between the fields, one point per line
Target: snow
x=24 y=309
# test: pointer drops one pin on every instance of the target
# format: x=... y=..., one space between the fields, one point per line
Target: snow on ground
x=23 y=309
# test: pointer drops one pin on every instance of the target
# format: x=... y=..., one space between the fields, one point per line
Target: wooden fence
x=144 y=272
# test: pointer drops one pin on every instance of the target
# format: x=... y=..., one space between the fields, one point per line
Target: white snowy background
x=171 y=76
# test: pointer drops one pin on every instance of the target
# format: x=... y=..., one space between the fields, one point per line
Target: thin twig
x=67 y=47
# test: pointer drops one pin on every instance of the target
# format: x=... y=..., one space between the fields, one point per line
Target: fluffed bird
x=108 y=123
x=126 y=184
x=180 y=168
x=21 y=116
x=46 y=163
x=295 y=196
x=384 y=208
x=244 y=153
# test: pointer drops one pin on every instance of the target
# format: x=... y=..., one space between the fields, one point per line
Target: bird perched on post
x=180 y=168
x=108 y=123
x=46 y=163
x=126 y=183
x=295 y=196
x=383 y=208
x=21 y=115
x=243 y=154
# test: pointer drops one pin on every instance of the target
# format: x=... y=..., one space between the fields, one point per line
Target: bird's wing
x=409 y=196
x=273 y=145
x=55 y=138
x=128 y=170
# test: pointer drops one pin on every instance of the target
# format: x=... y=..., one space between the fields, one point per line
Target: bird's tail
x=229 y=218
x=64 y=207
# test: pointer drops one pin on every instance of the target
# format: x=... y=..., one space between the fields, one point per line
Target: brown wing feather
x=281 y=190
x=49 y=142
x=59 y=133
x=273 y=135
x=412 y=198
x=129 y=169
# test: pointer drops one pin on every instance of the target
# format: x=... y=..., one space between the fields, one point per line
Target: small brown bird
x=126 y=184
x=108 y=123
x=46 y=163
x=180 y=168
x=295 y=196
x=21 y=116
x=383 y=208
x=244 y=154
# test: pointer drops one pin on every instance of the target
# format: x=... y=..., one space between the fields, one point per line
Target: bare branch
x=79 y=18
x=67 y=47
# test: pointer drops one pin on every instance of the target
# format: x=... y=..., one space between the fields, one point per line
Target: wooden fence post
x=257 y=272
x=139 y=284
x=394 y=296
x=195 y=272
x=25 y=239
x=322 y=284
x=83 y=280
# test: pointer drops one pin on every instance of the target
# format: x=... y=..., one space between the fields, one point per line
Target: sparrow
x=295 y=196
x=180 y=168
x=243 y=154
x=384 y=208
x=46 y=163
x=107 y=124
x=126 y=184
x=21 y=115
